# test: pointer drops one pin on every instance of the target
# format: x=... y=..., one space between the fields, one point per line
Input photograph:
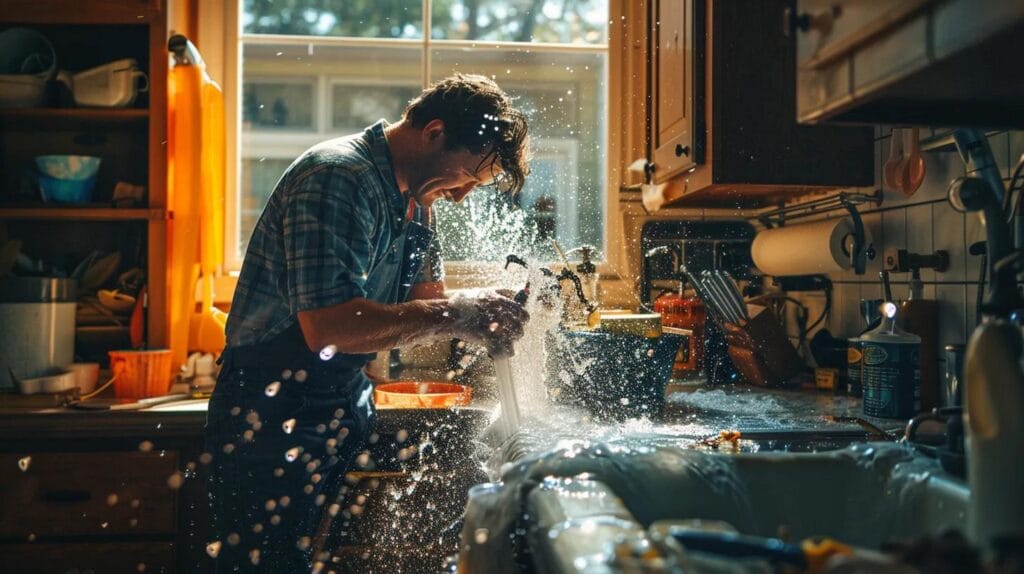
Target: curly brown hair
x=478 y=116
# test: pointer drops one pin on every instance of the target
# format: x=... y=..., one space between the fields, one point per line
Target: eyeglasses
x=501 y=183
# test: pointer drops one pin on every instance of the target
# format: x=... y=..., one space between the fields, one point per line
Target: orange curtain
x=196 y=199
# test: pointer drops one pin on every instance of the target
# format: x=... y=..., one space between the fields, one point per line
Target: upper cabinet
x=927 y=62
x=722 y=127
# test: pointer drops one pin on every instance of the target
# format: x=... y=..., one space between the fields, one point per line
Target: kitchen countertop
x=750 y=410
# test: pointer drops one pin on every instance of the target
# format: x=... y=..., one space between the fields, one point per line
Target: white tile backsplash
x=919 y=234
x=923 y=223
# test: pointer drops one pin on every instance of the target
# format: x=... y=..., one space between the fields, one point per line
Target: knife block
x=761 y=351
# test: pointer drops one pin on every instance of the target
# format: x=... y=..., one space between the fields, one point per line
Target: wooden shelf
x=59 y=117
x=86 y=12
x=97 y=212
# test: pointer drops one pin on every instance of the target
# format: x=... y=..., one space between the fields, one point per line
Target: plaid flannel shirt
x=331 y=221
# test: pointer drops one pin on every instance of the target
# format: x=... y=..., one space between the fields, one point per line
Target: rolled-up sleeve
x=328 y=225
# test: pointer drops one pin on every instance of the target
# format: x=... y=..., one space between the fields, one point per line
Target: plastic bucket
x=141 y=374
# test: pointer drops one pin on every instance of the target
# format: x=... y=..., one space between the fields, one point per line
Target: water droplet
x=332 y=442
x=254 y=556
x=133 y=522
x=272 y=389
x=31 y=537
x=308 y=489
x=275 y=519
x=338 y=413
x=650 y=352
x=135 y=503
x=229 y=448
x=292 y=454
x=402 y=436
x=145 y=446
x=320 y=499
x=175 y=481
x=288 y=426
x=278 y=472
x=257 y=528
x=140 y=567
x=111 y=499
x=315 y=478
x=303 y=543
x=213 y=549
x=480 y=536
x=334 y=509
x=363 y=459
x=301 y=375
x=321 y=428
x=493 y=326
x=624 y=400
x=234 y=539
x=235 y=411
x=205 y=458
x=328 y=352
x=284 y=501
x=356 y=510
x=335 y=424
x=286 y=374
x=252 y=417
x=374 y=437
x=248 y=435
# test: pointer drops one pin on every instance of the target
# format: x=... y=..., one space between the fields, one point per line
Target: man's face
x=452 y=174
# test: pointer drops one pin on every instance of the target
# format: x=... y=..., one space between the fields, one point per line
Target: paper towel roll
x=803 y=249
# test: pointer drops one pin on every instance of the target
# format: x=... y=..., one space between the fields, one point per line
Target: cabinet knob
x=682 y=150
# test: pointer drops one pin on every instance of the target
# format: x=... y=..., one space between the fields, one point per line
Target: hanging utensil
x=891 y=170
x=912 y=168
x=734 y=290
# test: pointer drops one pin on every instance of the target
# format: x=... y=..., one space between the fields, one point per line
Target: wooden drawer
x=91 y=494
x=98 y=558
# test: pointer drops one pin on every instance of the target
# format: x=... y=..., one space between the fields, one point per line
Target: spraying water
x=507 y=397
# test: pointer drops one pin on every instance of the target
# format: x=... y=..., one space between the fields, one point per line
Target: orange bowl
x=421 y=395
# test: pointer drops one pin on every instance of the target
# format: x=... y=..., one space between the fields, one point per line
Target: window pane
x=354 y=18
x=357 y=105
x=563 y=96
x=555 y=21
x=273 y=104
x=298 y=95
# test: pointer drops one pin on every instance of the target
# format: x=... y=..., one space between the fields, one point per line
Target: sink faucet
x=994 y=399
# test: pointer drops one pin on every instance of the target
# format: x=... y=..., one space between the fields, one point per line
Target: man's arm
x=365 y=326
x=361 y=325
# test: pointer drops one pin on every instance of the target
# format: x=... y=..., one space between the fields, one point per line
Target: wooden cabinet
x=722 y=110
x=102 y=492
x=926 y=62
x=677 y=122
x=131 y=143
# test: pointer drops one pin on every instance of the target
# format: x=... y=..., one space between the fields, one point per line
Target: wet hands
x=489 y=319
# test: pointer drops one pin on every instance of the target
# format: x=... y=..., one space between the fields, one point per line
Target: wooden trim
x=156 y=252
x=84 y=12
x=875 y=28
x=43 y=213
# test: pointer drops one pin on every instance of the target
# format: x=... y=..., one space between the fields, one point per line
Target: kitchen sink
x=583 y=501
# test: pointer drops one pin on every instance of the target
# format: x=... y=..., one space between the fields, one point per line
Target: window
x=311 y=71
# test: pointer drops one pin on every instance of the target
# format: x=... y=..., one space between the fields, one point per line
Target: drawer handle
x=67 y=496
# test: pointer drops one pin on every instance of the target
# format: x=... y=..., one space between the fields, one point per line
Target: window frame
x=222 y=20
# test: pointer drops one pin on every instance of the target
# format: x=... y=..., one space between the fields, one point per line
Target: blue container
x=614 y=376
x=66 y=190
x=67 y=178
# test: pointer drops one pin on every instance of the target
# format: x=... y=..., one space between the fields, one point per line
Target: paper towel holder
x=856 y=247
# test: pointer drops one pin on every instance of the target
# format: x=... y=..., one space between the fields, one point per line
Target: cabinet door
x=677 y=86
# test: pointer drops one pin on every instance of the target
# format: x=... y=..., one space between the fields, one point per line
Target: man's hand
x=489 y=319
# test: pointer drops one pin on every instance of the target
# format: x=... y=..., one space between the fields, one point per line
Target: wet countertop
x=689 y=411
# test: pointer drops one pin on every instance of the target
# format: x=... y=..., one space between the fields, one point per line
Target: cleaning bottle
x=891 y=369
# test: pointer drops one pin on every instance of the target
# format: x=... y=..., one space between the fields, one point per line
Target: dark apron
x=280 y=415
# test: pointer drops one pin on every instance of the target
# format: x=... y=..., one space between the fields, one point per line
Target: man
x=339 y=267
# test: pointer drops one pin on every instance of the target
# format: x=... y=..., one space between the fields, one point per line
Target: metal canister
x=891 y=370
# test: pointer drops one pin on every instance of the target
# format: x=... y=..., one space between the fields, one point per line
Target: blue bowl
x=66 y=190
x=68 y=166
